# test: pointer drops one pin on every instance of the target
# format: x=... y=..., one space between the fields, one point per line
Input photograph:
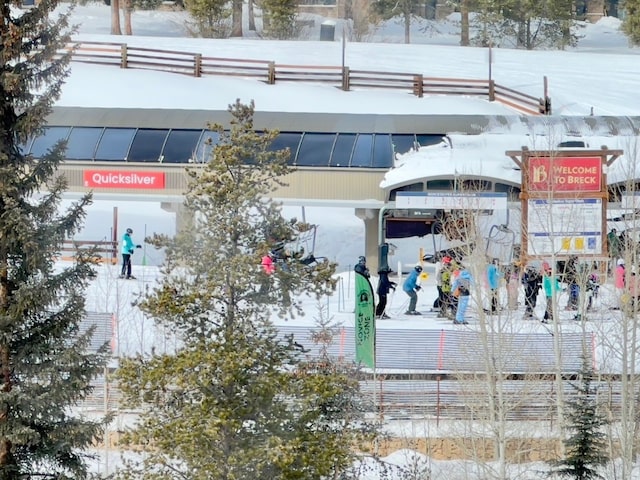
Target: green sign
x=365 y=323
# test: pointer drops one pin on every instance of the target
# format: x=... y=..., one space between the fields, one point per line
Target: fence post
x=418 y=87
x=271 y=74
x=492 y=90
x=123 y=55
x=345 y=79
x=197 y=65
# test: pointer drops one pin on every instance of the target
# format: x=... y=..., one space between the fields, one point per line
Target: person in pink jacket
x=619 y=281
x=268 y=267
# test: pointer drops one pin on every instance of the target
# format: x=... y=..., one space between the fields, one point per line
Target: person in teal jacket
x=127 y=250
x=550 y=285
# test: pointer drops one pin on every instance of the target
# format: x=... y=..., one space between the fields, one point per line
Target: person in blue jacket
x=493 y=279
x=463 y=284
x=127 y=250
x=410 y=286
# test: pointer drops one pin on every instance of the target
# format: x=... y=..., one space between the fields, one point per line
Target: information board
x=565 y=227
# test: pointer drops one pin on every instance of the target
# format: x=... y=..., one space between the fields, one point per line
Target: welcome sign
x=565 y=174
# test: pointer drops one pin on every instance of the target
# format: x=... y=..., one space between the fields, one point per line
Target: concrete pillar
x=184 y=218
x=370 y=218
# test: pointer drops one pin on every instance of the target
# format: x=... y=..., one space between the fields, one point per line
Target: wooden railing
x=106 y=251
x=196 y=64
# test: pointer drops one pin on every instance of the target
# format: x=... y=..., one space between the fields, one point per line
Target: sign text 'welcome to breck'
x=565 y=174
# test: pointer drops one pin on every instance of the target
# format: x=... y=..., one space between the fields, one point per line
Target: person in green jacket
x=551 y=286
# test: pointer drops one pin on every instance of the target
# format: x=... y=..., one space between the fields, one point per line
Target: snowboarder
x=410 y=286
x=384 y=285
x=127 y=250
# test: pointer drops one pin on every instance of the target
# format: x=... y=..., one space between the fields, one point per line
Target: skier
x=493 y=279
x=462 y=284
x=361 y=266
x=551 y=286
x=268 y=267
x=532 y=282
x=384 y=285
x=127 y=250
x=410 y=286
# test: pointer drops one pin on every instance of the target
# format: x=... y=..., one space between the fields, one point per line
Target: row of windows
x=463 y=185
x=188 y=146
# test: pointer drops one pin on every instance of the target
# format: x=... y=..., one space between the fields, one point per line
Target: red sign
x=565 y=174
x=123 y=179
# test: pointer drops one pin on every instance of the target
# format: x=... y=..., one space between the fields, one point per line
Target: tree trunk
x=115 y=17
x=407 y=26
x=252 y=20
x=464 y=23
x=236 y=16
x=127 y=9
x=6 y=456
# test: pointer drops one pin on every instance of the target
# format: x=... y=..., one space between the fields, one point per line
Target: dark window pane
x=403 y=143
x=82 y=143
x=315 y=149
x=180 y=146
x=343 y=149
x=206 y=145
x=362 y=152
x=382 y=151
x=287 y=140
x=414 y=187
x=426 y=140
x=48 y=139
x=473 y=185
x=115 y=143
x=440 y=185
x=147 y=145
x=513 y=193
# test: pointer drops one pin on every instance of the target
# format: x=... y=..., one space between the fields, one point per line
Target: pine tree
x=45 y=368
x=585 y=444
x=281 y=18
x=631 y=21
x=231 y=402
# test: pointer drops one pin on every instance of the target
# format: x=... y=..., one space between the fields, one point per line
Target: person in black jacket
x=532 y=282
x=384 y=285
x=361 y=266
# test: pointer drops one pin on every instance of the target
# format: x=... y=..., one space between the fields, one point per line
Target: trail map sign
x=564 y=201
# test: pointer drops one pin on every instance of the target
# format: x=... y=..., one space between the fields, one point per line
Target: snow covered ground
x=600 y=75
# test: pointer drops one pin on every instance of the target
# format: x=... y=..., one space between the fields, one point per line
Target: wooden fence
x=196 y=64
x=105 y=251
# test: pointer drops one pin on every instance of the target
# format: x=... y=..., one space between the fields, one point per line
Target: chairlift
x=500 y=243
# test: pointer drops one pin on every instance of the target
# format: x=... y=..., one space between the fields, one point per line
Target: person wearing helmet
x=127 y=250
x=361 y=266
x=410 y=287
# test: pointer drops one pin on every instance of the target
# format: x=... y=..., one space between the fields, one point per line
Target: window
x=342 y=149
x=287 y=140
x=180 y=146
x=82 y=143
x=315 y=149
x=114 y=144
x=382 y=151
x=513 y=193
x=473 y=185
x=362 y=151
x=446 y=185
x=403 y=143
x=426 y=139
x=48 y=139
x=147 y=145
x=207 y=143
x=413 y=187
